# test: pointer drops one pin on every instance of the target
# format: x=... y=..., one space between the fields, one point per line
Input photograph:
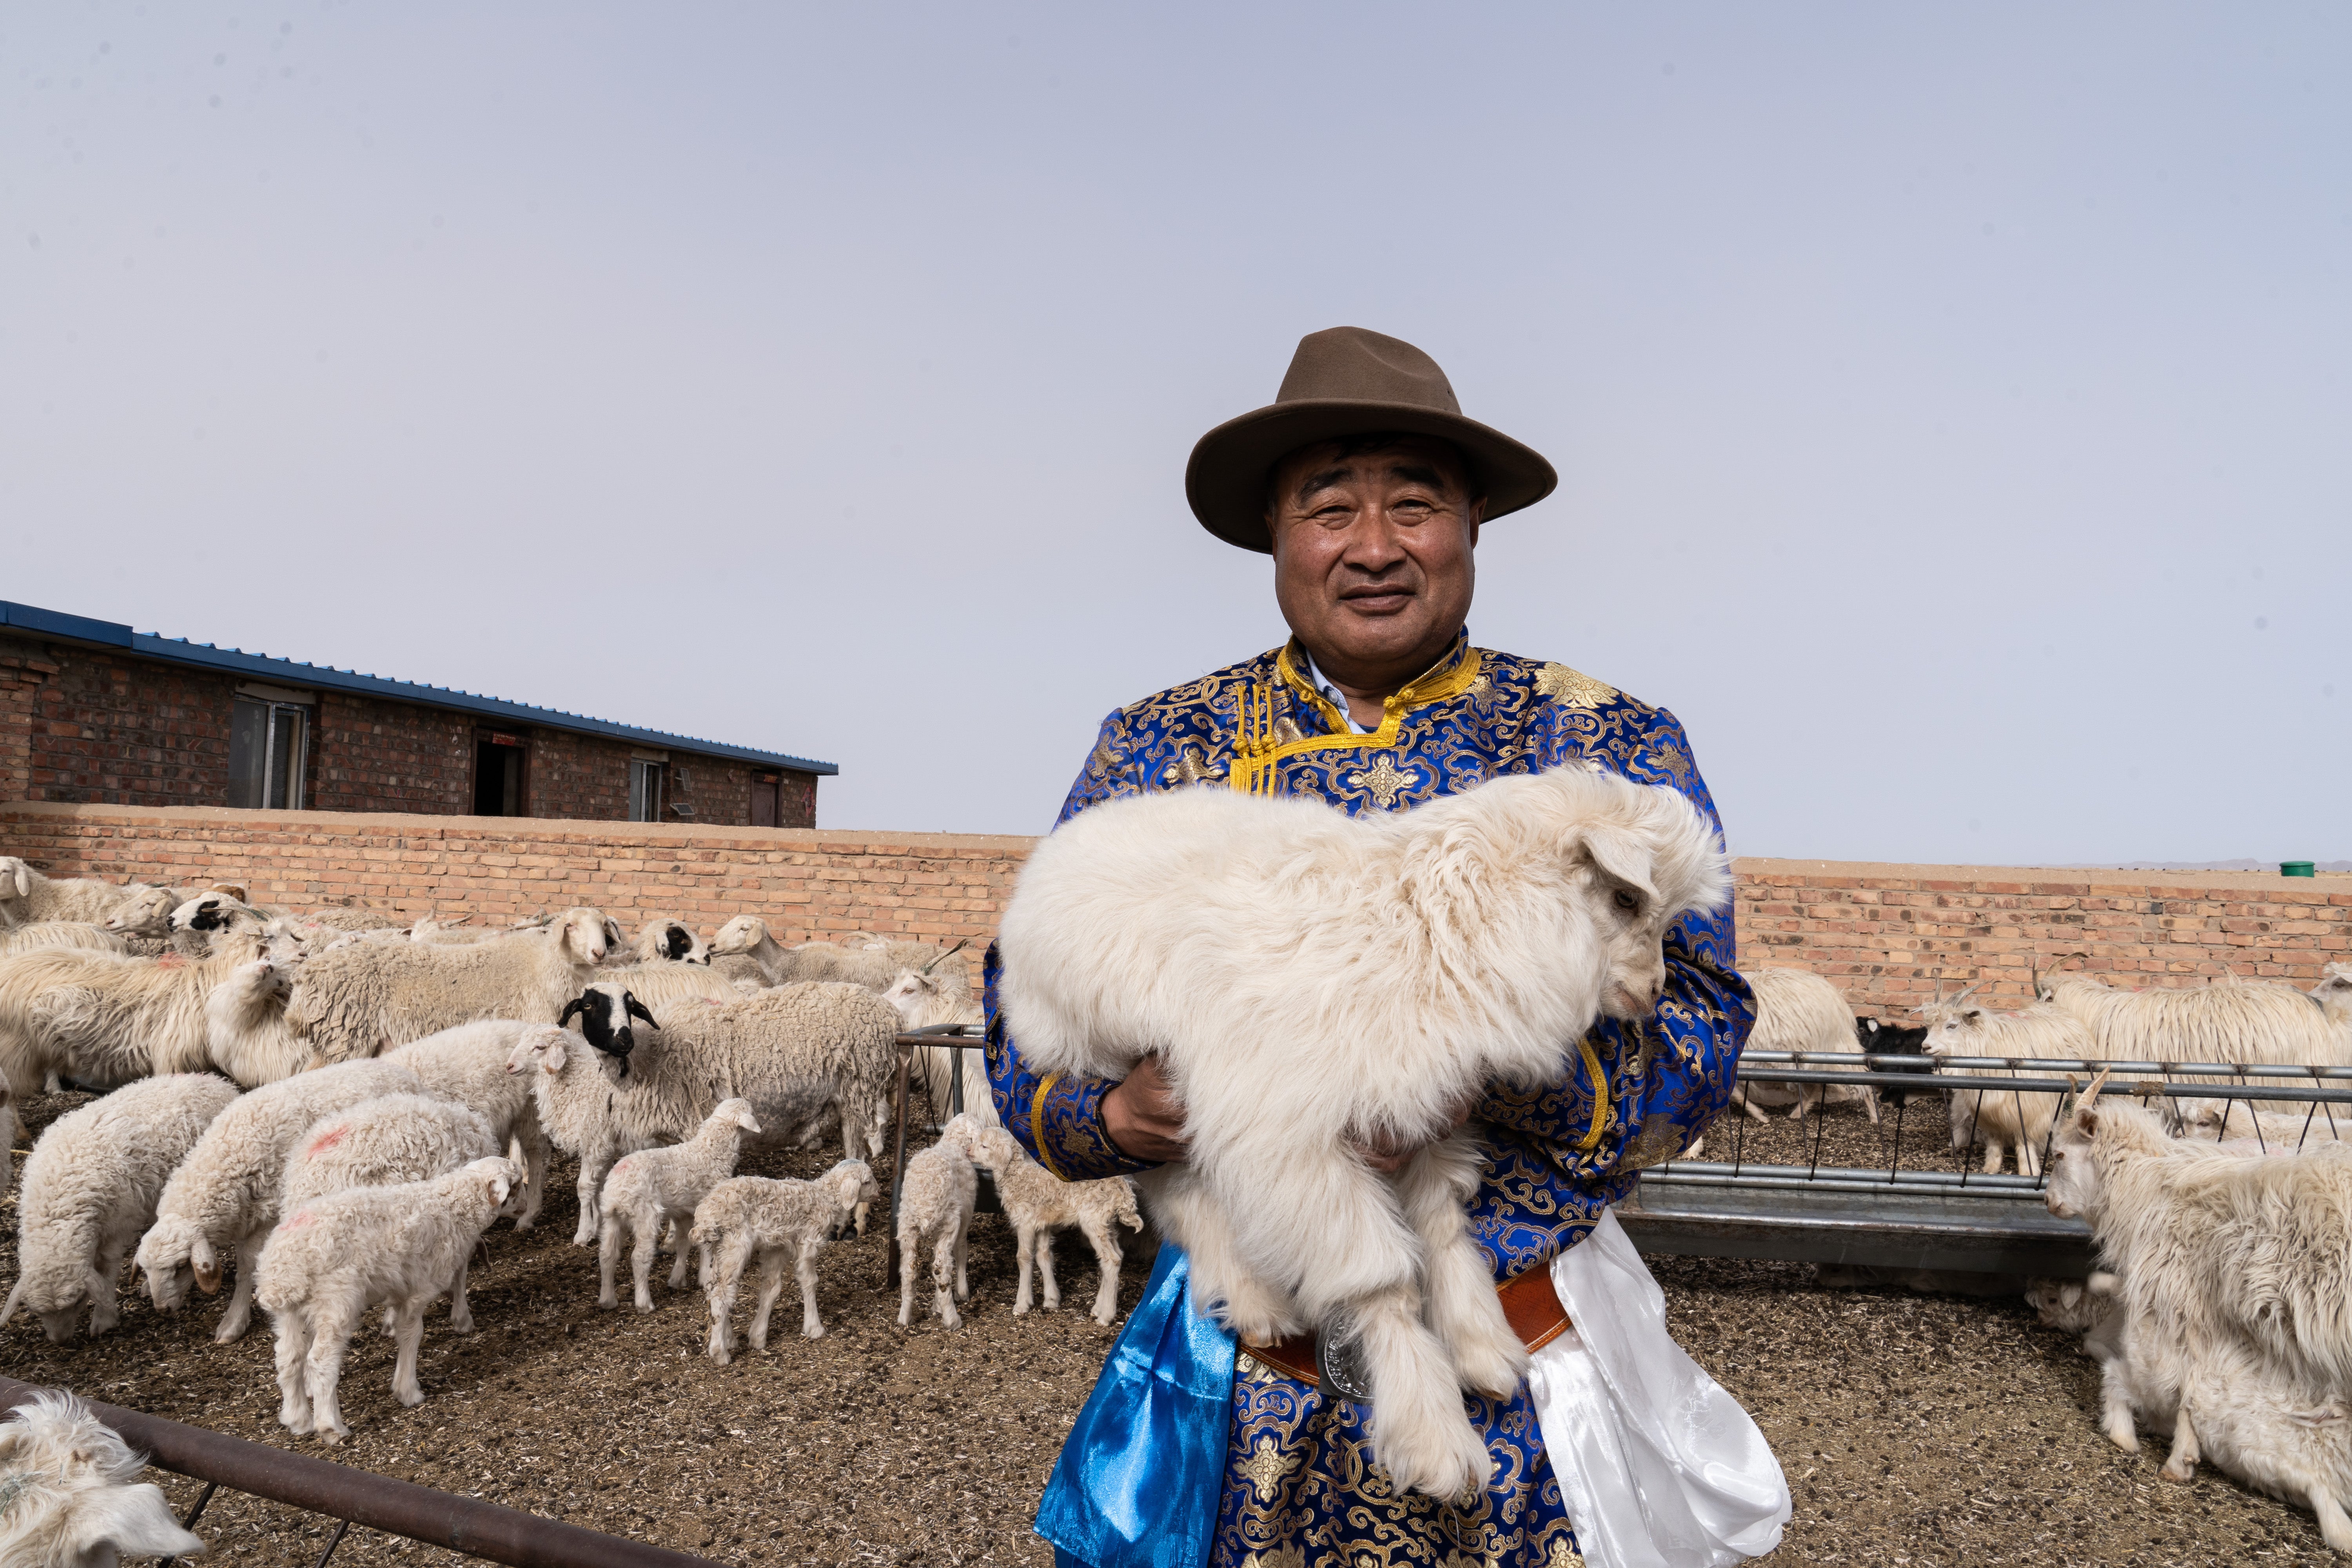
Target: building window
x=266 y=743
x=500 y=761
x=644 y=792
x=766 y=789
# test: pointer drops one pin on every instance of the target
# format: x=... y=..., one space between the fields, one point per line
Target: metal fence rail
x=1961 y=1219
x=477 y=1529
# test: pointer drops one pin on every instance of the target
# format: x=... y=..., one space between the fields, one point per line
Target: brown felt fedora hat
x=1345 y=381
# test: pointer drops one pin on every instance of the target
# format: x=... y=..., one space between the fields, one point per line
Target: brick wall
x=89 y=725
x=1883 y=933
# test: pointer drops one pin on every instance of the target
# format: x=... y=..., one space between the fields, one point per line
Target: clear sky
x=1953 y=404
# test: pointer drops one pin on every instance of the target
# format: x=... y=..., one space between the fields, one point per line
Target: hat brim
x=1226 y=480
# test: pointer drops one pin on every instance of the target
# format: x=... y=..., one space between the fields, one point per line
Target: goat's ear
x=1621 y=854
x=2088 y=1121
x=207 y=1263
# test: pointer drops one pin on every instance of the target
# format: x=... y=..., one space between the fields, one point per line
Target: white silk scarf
x=1658 y=1465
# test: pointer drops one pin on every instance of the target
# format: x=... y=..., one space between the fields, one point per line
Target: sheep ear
x=1621 y=854
x=573 y=1009
x=499 y=1186
x=23 y=881
x=556 y=1056
x=747 y=1121
x=637 y=1008
x=9 y=1310
x=207 y=1263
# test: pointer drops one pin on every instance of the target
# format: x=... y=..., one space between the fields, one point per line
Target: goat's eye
x=1627 y=901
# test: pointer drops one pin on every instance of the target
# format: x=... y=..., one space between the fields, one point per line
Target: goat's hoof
x=412 y=1398
x=333 y=1435
x=644 y=1306
x=814 y=1331
x=2177 y=1472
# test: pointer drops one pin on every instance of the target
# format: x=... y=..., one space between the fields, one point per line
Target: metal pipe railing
x=466 y=1524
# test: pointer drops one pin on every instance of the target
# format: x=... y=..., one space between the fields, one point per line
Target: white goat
x=924 y=1001
x=2230 y=1020
x=222 y=1200
x=362 y=1000
x=331 y=1261
x=71 y=1496
x=1422 y=955
x=2001 y=1119
x=90 y=1188
x=1797 y=1010
x=1037 y=1203
x=649 y=1189
x=777 y=1221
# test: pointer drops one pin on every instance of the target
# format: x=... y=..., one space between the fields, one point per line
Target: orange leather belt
x=1530 y=1305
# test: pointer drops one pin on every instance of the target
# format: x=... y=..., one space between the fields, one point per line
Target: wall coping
x=414 y=825
x=2050 y=879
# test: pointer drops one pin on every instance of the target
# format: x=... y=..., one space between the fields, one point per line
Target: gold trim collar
x=1257 y=751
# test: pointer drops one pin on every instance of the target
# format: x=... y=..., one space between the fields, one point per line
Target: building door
x=499 y=762
x=765 y=787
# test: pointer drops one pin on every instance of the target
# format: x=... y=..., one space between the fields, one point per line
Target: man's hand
x=1144 y=1117
x=1388 y=1155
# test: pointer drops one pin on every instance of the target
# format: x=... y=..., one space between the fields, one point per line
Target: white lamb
x=1309 y=978
x=653 y=1187
x=71 y=1496
x=2001 y=1119
x=1797 y=1010
x=936 y=1195
x=383 y=1142
x=777 y=1221
x=1037 y=1203
x=222 y=1200
x=336 y=1257
x=90 y=1188
x=362 y=1000
x=924 y=1001
x=469 y=1063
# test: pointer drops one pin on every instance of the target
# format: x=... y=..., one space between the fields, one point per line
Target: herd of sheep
x=331 y=1109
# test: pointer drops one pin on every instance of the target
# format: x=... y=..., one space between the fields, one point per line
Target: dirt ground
x=1915 y=1429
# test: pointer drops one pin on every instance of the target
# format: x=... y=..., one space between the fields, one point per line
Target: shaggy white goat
x=222 y=1200
x=469 y=1063
x=746 y=936
x=71 y=1496
x=934 y=1201
x=383 y=1142
x=2209 y=1246
x=26 y=895
x=90 y=1188
x=362 y=1000
x=2001 y=1119
x=778 y=1221
x=1797 y=1010
x=334 y=1257
x=924 y=1001
x=1037 y=1203
x=2230 y=1020
x=1309 y=977
x=649 y=1189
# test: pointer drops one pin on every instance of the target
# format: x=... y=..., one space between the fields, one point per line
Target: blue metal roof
x=205 y=656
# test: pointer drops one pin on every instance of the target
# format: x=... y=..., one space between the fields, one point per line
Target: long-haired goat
x=73 y=1491
x=1797 y=1010
x=2001 y=1117
x=1311 y=978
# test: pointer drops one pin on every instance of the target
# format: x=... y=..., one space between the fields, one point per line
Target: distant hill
x=2201 y=866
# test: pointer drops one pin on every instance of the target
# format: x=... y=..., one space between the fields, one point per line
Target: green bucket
x=2296 y=869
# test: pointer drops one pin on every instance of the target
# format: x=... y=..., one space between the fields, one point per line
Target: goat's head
x=88 y=1508
x=1645 y=857
x=605 y=1011
x=741 y=935
x=146 y=912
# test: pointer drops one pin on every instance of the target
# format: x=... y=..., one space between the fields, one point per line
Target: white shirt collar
x=1333 y=695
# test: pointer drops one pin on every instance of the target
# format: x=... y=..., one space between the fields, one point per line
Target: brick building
x=93 y=712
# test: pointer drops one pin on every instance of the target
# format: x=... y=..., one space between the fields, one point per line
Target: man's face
x=1372 y=554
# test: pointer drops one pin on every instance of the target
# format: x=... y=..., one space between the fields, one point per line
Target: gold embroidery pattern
x=1383 y=780
x=1265 y=1468
x=1572 y=689
x=1564 y=1555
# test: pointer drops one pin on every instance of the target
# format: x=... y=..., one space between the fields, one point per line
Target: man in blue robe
x=1368 y=486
